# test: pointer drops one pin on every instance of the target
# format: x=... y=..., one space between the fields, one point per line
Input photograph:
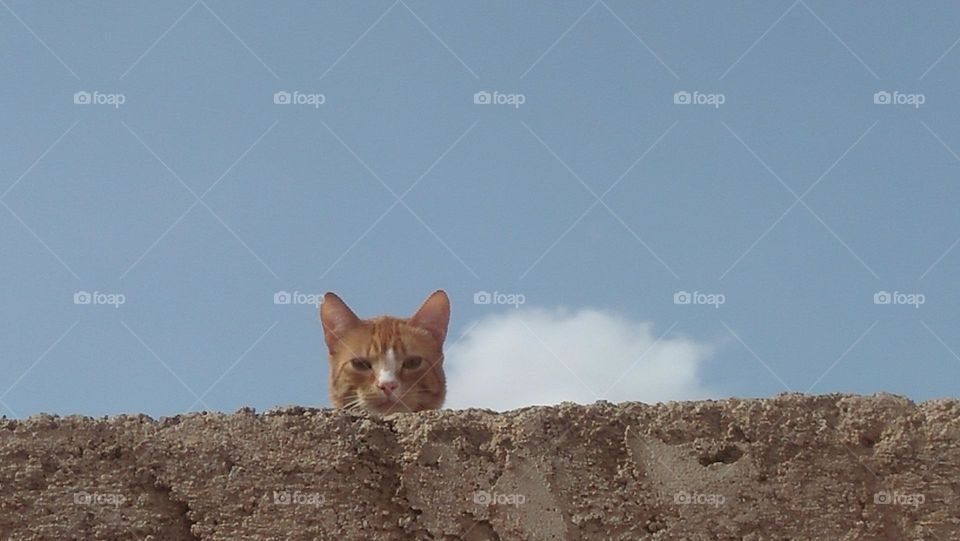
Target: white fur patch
x=388 y=373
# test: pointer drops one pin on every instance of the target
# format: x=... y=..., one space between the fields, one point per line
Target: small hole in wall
x=726 y=455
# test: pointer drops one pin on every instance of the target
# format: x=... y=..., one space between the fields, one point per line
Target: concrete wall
x=791 y=467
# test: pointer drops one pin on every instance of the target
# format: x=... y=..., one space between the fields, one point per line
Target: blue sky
x=784 y=191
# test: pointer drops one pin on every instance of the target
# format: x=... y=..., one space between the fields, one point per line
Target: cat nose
x=388 y=387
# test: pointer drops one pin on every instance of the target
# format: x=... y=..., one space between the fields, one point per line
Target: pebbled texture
x=789 y=467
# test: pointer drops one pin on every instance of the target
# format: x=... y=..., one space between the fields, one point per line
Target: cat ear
x=434 y=315
x=337 y=319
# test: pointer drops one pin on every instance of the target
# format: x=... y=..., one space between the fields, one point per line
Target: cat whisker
x=353 y=402
x=419 y=392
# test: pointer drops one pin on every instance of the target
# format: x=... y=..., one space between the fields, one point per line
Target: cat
x=386 y=364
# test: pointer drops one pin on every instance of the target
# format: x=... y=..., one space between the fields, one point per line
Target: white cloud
x=533 y=356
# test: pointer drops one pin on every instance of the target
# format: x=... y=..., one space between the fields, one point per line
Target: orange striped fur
x=386 y=364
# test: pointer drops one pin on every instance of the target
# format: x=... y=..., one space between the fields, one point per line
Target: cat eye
x=413 y=363
x=360 y=364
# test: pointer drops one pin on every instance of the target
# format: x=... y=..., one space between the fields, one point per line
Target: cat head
x=386 y=364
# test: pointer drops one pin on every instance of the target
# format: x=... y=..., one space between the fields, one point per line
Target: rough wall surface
x=791 y=467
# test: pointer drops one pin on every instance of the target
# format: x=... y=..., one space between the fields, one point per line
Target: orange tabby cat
x=386 y=364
